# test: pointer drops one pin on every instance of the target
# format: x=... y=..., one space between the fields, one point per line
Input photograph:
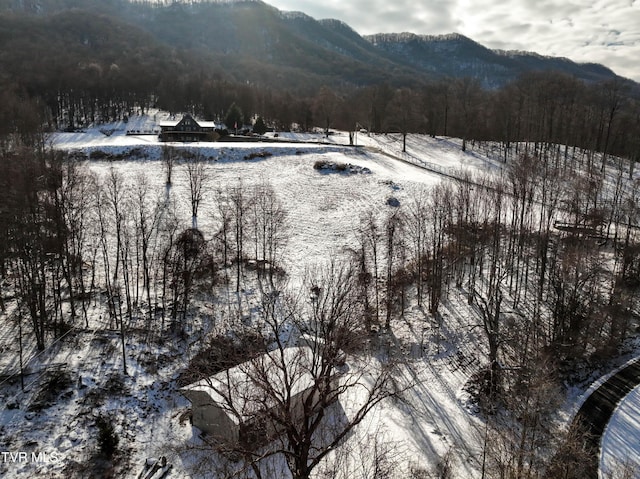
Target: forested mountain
x=248 y=42
x=458 y=56
x=251 y=41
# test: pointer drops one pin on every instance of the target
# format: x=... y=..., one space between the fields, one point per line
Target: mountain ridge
x=255 y=42
x=446 y=52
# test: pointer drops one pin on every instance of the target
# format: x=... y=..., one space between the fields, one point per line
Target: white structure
x=234 y=405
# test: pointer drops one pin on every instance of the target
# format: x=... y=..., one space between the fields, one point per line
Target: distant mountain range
x=455 y=55
x=251 y=41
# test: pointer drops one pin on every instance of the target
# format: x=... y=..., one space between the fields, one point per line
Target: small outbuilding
x=233 y=405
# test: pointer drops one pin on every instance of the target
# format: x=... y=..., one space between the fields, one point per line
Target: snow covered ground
x=324 y=215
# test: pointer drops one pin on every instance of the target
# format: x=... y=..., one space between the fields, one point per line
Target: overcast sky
x=599 y=31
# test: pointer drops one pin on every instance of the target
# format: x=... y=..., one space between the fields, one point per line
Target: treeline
x=70 y=235
x=545 y=108
x=542 y=108
x=547 y=254
x=546 y=258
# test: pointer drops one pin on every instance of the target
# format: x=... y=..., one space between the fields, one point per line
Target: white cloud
x=604 y=31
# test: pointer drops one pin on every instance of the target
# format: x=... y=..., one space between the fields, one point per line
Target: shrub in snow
x=329 y=166
x=56 y=381
x=394 y=186
x=107 y=131
x=258 y=154
x=78 y=156
x=321 y=165
x=107 y=437
x=99 y=155
x=115 y=385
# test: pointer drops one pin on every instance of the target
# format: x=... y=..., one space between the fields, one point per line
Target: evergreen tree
x=259 y=127
x=234 y=117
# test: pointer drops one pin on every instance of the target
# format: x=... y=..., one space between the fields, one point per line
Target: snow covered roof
x=240 y=391
x=174 y=122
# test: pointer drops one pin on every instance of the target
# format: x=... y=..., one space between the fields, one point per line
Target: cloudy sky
x=600 y=31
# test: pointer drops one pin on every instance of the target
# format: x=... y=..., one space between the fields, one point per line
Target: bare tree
x=76 y=200
x=325 y=106
x=522 y=434
x=190 y=257
x=393 y=228
x=418 y=218
x=490 y=301
x=440 y=207
x=404 y=114
x=147 y=219
x=304 y=429
x=370 y=252
x=115 y=194
x=198 y=178
x=268 y=220
x=168 y=225
x=25 y=205
x=368 y=454
x=576 y=299
x=611 y=96
x=468 y=97
x=169 y=161
x=223 y=236
x=573 y=457
x=239 y=204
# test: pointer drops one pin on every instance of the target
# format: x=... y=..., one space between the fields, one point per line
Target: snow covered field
x=325 y=210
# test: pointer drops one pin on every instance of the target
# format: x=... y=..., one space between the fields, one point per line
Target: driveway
x=597 y=409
